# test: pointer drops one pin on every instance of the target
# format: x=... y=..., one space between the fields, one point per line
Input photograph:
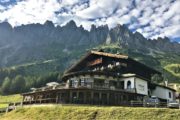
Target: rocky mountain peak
x=71 y=24
x=139 y=35
x=5 y=26
x=49 y=24
x=36 y=38
x=93 y=28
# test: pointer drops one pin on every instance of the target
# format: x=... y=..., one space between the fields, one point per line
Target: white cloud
x=152 y=18
x=69 y=2
x=102 y=8
x=160 y=18
x=171 y=30
x=135 y=12
x=139 y=30
x=31 y=11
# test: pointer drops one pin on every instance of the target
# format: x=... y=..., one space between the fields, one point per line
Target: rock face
x=33 y=42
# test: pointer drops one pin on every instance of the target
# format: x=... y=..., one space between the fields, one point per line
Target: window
x=82 y=82
x=74 y=82
x=169 y=94
x=149 y=92
x=129 y=85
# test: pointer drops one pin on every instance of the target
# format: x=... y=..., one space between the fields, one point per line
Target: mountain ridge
x=25 y=37
x=35 y=54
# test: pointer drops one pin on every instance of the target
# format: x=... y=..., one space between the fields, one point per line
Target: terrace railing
x=40 y=101
x=100 y=87
x=103 y=87
x=3 y=110
x=144 y=104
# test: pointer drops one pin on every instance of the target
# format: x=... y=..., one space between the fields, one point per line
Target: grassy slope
x=91 y=113
x=171 y=68
x=10 y=98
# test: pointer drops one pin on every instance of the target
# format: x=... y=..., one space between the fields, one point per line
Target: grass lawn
x=3 y=105
x=57 y=112
x=8 y=99
x=173 y=69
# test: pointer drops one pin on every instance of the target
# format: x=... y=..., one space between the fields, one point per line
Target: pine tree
x=18 y=84
x=5 y=89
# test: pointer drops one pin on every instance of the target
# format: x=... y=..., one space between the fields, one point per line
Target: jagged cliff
x=42 y=42
x=31 y=42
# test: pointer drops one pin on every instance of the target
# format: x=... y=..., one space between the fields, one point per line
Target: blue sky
x=152 y=18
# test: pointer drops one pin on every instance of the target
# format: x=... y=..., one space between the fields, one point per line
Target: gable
x=100 y=61
x=96 y=58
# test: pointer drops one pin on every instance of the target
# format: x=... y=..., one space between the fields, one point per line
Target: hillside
x=173 y=69
x=40 y=42
x=4 y=100
x=54 y=112
x=36 y=52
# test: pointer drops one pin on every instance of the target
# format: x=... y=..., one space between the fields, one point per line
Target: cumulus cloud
x=102 y=8
x=30 y=11
x=152 y=18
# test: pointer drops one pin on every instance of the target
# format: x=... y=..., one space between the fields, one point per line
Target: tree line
x=19 y=83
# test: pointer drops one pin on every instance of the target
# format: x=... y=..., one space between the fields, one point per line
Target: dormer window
x=128 y=84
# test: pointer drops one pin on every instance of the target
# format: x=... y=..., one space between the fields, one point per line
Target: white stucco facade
x=136 y=83
x=163 y=93
x=141 y=86
x=131 y=79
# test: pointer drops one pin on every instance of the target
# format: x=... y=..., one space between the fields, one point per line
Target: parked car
x=153 y=101
x=173 y=104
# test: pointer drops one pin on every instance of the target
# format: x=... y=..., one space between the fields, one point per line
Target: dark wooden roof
x=115 y=56
x=96 y=53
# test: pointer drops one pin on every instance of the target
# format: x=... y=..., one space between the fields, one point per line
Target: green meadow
x=4 y=100
x=72 y=112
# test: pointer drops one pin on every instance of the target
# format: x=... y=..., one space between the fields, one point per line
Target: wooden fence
x=13 y=106
x=145 y=104
x=3 y=110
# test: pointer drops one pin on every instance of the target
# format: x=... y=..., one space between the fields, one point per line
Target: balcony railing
x=100 y=87
x=90 y=86
x=130 y=89
x=104 y=87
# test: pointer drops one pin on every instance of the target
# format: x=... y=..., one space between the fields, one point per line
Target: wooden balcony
x=105 y=87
